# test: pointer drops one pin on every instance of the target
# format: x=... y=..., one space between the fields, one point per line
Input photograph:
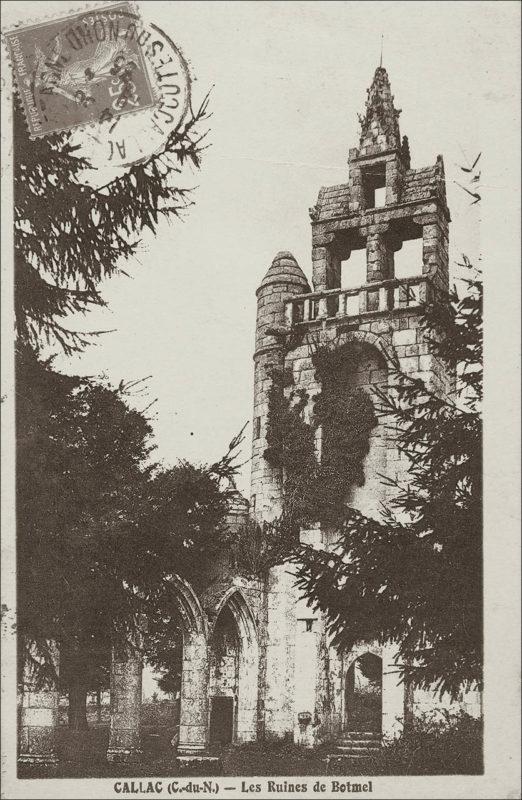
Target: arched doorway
x=126 y=683
x=161 y=682
x=363 y=694
x=224 y=679
x=233 y=680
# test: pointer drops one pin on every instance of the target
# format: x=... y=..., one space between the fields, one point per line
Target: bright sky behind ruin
x=289 y=80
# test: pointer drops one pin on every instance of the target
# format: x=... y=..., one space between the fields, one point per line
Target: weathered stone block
x=404 y=337
x=409 y=364
x=425 y=362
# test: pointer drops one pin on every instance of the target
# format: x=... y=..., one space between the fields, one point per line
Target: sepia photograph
x=260 y=509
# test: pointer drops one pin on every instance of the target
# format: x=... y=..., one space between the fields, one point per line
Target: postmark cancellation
x=81 y=69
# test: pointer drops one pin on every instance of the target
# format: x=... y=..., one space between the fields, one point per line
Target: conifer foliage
x=69 y=236
x=416 y=576
x=101 y=527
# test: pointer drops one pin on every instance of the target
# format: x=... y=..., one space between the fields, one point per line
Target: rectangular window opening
x=374 y=186
x=379 y=197
x=408 y=260
x=353 y=270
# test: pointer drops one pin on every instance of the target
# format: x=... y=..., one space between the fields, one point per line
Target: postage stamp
x=84 y=68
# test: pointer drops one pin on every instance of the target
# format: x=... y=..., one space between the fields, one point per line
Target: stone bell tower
x=347 y=217
x=384 y=203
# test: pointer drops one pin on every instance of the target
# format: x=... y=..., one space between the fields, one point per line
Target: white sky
x=289 y=80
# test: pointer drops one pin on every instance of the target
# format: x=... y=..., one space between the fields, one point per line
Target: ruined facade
x=257 y=661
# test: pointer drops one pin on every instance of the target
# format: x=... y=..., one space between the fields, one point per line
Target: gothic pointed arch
x=189 y=607
x=230 y=604
x=193 y=720
x=235 y=600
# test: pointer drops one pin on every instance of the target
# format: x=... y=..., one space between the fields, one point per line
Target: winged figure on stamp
x=55 y=74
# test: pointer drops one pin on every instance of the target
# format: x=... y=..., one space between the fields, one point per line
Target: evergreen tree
x=101 y=527
x=84 y=476
x=416 y=576
x=70 y=236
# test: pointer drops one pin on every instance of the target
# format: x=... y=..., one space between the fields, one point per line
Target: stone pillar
x=323 y=308
x=355 y=182
x=379 y=258
x=393 y=180
x=279 y=654
x=435 y=251
x=326 y=265
x=39 y=717
x=194 y=712
x=248 y=692
x=393 y=695
x=307 y=638
x=320 y=268
x=125 y=740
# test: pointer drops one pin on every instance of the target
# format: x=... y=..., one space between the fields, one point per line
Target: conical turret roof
x=285 y=269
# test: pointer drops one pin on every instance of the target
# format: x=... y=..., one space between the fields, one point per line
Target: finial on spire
x=382 y=46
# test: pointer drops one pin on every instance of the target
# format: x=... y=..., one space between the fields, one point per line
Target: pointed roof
x=380 y=123
x=285 y=269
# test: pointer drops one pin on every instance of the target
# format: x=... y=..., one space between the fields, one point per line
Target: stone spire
x=380 y=123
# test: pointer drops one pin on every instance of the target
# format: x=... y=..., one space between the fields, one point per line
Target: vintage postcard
x=260 y=408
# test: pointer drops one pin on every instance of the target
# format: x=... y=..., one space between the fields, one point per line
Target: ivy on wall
x=290 y=444
x=256 y=547
x=318 y=490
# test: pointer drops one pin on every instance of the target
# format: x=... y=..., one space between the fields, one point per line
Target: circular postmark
x=119 y=86
x=113 y=144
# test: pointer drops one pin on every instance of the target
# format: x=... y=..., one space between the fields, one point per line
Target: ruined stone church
x=257 y=660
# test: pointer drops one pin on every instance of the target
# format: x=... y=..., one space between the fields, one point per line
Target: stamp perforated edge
x=86 y=8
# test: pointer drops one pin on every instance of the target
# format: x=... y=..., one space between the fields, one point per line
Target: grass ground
x=428 y=750
x=82 y=755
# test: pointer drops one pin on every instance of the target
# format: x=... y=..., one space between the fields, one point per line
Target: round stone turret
x=284 y=280
x=285 y=269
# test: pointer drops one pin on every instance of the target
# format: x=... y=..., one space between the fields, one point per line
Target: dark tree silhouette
x=101 y=527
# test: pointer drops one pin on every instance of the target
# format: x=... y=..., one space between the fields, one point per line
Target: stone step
x=345 y=758
x=355 y=738
x=358 y=743
x=360 y=735
x=357 y=751
x=364 y=744
x=341 y=764
x=199 y=765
